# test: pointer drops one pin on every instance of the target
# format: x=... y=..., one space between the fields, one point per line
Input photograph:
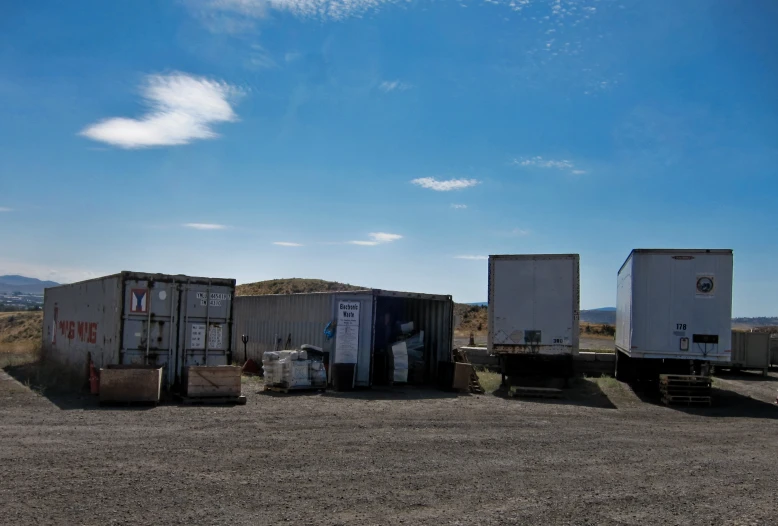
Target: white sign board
x=215 y=336
x=347 y=333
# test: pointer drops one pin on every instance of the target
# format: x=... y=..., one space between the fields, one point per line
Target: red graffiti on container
x=82 y=331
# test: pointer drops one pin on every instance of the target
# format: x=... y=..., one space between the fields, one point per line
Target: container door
x=204 y=325
x=354 y=334
x=149 y=321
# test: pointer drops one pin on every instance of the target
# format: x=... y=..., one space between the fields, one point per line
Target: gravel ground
x=602 y=455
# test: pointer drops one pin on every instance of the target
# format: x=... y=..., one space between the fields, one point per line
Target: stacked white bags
x=293 y=369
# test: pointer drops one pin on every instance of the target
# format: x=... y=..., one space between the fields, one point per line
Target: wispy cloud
x=205 y=226
x=377 y=238
x=6 y=209
x=444 y=185
x=286 y=244
x=458 y=207
x=519 y=232
x=473 y=258
x=540 y=162
x=394 y=85
x=182 y=108
x=260 y=58
x=324 y=9
x=291 y=56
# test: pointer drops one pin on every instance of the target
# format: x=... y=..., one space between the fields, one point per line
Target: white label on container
x=215 y=337
x=198 y=336
x=347 y=333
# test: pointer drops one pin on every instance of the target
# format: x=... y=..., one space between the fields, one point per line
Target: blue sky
x=396 y=142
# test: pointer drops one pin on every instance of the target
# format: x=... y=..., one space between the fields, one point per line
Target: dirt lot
x=602 y=455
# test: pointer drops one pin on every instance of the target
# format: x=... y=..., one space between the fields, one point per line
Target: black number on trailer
x=680 y=326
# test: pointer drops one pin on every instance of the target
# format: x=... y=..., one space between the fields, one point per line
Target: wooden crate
x=130 y=384
x=217 y=381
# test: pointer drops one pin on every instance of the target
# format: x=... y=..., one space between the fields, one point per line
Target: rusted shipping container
x=163 y=320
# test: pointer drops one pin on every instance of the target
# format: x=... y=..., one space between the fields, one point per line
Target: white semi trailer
x=533 y=313
x=673 y=312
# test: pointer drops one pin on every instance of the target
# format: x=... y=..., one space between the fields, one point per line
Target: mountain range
x=14 y=283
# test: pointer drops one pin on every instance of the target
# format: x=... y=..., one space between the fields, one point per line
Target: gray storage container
x=357 y=322
x=136 y=318
x=750 y=350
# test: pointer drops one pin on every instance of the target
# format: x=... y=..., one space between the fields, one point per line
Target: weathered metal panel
x=268 y=319
x=750 y=350
x=132 y=318
x=534 y=304
x=80 y=320
x=673 y=304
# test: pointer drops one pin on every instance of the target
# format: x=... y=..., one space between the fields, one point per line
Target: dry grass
x=292 y=286
x=489 y=380
x=20 y=338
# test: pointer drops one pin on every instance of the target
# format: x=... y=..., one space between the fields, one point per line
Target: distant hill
x=293 y=286
x=14 y=283
x=603 y=315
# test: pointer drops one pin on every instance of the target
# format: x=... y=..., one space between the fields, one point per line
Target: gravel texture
x=406 y=456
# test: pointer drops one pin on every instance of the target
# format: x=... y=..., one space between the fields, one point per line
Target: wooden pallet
x=536 y=392
x=212 y=400
x=686 y=400
x=683 y=379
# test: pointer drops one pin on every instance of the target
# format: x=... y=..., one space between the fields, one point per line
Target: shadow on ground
x=578 y=392
x=745 y=376
x=399 y=393
x=725 y=403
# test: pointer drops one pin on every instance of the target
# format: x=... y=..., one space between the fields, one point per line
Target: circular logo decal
x=705 y=285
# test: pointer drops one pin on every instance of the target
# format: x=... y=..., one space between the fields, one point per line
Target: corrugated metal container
x=675 y=304
x=534 y=304
x=136 y=318
x=358 y=319
x=774 y=351
x=750 y=350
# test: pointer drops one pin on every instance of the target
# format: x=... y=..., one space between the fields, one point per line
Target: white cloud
x=519 y=232
x=205 y=226
x=286 y=244
x=579 y=172
x=5 y=209
x=377 y=238
x=444 y=186
x=458 y=207
x=394 y=85
x=182 y=108
x=473 y=258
